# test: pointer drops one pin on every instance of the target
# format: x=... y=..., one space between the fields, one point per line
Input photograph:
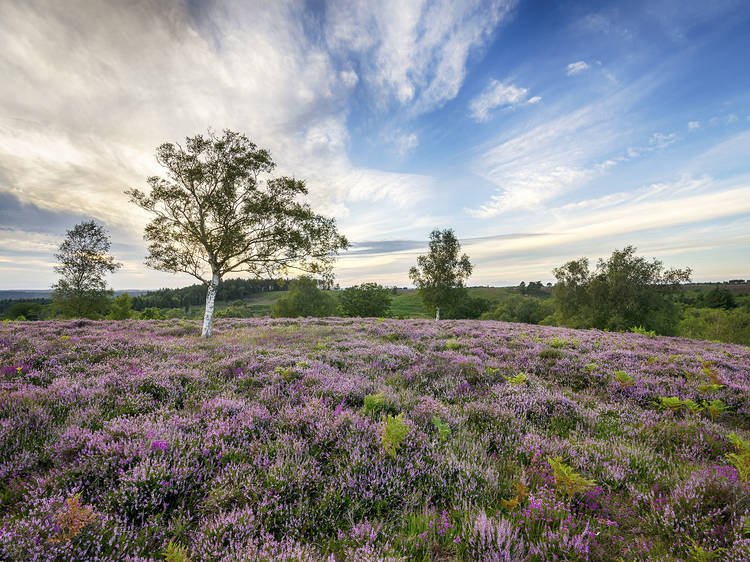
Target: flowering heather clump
x=365 y=439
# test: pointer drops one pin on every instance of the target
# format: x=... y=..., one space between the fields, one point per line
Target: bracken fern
x=395 y=431
x=566 y=479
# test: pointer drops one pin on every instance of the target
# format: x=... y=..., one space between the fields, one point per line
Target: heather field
x=349 y=439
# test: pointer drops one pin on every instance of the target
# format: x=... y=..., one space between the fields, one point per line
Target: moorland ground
x=367 y=439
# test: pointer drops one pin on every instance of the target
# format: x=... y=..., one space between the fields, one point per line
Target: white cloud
x=692 y=125
x=577 y=67
x=413 y=52
x=498 y=94
x=405 y=143
x=660 y=140
x=349 y=77
x=531 y=167
x=643 y=217
x=90 y=103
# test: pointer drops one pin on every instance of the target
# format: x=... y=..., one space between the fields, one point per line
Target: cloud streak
x=84 y=138
x=413 y=52
x=499 y=95
x=576 y=67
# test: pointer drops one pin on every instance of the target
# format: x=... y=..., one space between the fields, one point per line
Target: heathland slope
x=368 y=440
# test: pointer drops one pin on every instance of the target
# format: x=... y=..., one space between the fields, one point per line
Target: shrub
x=452 y=345
x=365 y=300
x=714 y=408
x=716 y=324
x=517 y=379
x=150 y=313
x=493 y=539
x=624 y=379
x=467 y=307
x=518 y=308
x=304 y=298
x=121 y=307
x=692 y=406
x=671 y=403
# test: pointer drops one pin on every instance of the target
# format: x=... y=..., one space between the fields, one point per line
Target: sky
x=539 y=131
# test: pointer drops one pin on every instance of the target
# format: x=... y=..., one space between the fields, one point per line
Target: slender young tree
x=217 y=212
x=84 y=260
x=440 y=274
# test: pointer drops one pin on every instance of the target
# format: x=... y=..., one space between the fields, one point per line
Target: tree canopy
x=121 y=307
x=304 y=298
x=440 y=274
x=218 y=212
x=365 y=300
x=84 y=260
x=623 y=292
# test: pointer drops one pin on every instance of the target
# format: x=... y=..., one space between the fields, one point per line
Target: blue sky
x=539 y=131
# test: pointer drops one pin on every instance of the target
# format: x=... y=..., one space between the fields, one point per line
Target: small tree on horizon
x=216 y=216
x=440 y=274
x=84 y=260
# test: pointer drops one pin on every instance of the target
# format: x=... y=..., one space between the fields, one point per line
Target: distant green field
x=406 y=304
x=492 y=294
x=409 y=305
x=259 y=303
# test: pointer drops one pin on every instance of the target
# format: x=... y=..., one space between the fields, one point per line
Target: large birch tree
x=217 y=211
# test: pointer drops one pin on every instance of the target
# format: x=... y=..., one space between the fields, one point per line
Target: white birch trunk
x=208 y=317
x=437 y=313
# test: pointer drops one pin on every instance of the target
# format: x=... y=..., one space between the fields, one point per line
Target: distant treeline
x=195 y=295
x=26 y=304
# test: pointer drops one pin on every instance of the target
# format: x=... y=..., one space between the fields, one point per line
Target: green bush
x=365 y=300
x=235 y=310
x=151 y=313
x=519 y=308
x=718 y=297
x=24 y=310
x=466 y=307
x=444 y=430
x=304 y=298
x=623 y=291
x=731 y=326
x=120 y=309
